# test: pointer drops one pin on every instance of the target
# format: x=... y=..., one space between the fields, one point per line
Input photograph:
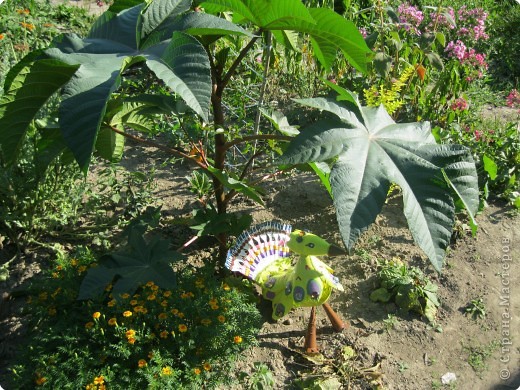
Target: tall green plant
x=178 y=45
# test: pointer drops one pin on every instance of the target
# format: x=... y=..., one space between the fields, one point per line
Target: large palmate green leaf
x=372 y=151
x=28 y=88
x=90 y=69
x=141 y=262
x=329 y=31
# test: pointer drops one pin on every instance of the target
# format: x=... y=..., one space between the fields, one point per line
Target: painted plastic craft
x=263 y=255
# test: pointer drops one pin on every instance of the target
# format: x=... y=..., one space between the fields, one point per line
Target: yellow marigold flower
x=74 y=262
x=162 y=316
x=150 y=284
x=99 y=380
x=112 y=321
x=89 y=325
x=237 y=339
x=163 y=334
x=197 y=371
x=164 y=303
x=108 y=287
x=141 y=363
x=134 y=302
x=207 y=366
x=180 y=315
x=150 y=355
x=96 y=315
x=151 y=297
x=55 y=275
x=40 y=380
x=82 y=269
x=154 y=287
x=59 y=268
x=214 y=307
x=138 y=309
x=213 y=301
x=130 y=333
x=206 y=321
x=167 y=293
x=183 y=328
x=23 y=11
x=174 y=311
x=52 y=311
x=42 y=296
x=127 y=313
x=131 y=340
x=226 y=287
x=166 y=371
x=221 y=318
x=125 y=296
x=111 y=303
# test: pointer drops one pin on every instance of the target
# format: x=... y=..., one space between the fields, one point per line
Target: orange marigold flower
x=167 y=371
x=89 y=325
x=151 y=297
x=111 y=303
x=197 y=371
x=221 y=318
x=23 y=11
x=237 y=339
x=112 y=321
x=96 y=315
x=131 y=340
x=141 y=363
x=99 y=380
x=174 y=311
x=163 y=334
x=183 y=328
x=134 y=302
x=207 y=366
x=162 y=316
x=130 y=333
x=127 y=313
x=167 y=293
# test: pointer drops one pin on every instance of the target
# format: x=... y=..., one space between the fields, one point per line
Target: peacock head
x=308 y=244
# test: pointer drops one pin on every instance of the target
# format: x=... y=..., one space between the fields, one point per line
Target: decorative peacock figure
x=262 y=254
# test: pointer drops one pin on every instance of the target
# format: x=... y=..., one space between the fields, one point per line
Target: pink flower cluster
x=474 y=23
x=513 y=99
x=456 y=50
x=410 y=17
x=459 y=104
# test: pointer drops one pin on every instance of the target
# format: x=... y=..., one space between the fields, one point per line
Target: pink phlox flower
x=460 y=104
x=410 y=17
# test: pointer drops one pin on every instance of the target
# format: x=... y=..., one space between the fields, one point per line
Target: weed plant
x=156 y=338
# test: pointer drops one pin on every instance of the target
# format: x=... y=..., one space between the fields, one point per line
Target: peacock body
x=263 y=255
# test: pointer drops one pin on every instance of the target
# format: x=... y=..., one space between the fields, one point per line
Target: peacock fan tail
x=262 y=254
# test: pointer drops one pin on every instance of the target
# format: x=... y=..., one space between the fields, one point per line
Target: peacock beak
x=335 y=251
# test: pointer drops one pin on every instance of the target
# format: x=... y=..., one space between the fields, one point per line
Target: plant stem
x=161 y=147
x=256 y=137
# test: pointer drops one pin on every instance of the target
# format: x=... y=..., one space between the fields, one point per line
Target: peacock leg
x=310 y=338
x=337 y=324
